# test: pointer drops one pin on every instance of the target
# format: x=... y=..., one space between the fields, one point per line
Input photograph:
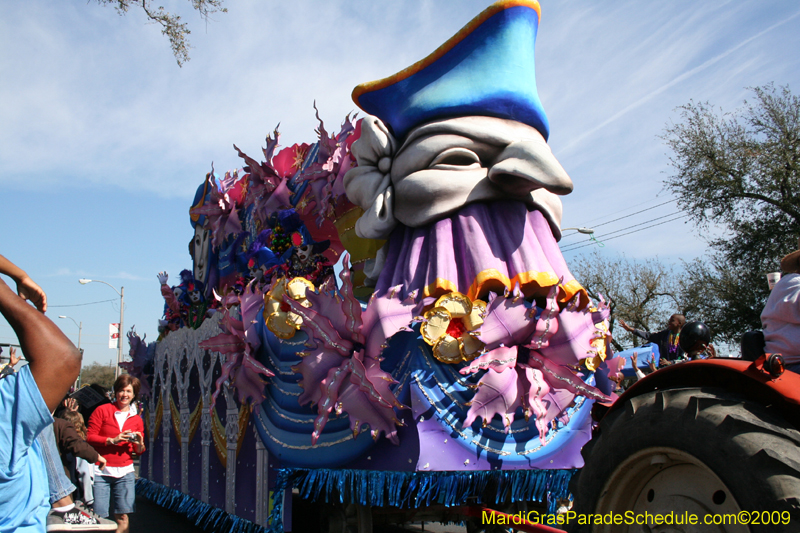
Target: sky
x=104 y=139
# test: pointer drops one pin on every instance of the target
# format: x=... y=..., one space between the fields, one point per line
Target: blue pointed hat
x=486 y=69
x=201 y=196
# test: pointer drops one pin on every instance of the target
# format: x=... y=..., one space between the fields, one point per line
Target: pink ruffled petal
x=223 y=343
x=314 y=368
x=351 y=308
x=497 y=395
x=498 y=360
x=374 y=384
x=508 y=322
x=329 y=397
x=561 y=377
x=364 y=412
x=320 y=328
x=385 y=316
x=536 y=388
x=252 y=301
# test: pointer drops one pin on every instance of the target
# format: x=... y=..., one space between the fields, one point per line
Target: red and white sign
x=113 y=335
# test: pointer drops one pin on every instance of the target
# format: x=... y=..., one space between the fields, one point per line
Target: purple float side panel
x=158 y=458
x=196 y=467
x=216 y=470
x=216 y=482
x=174 y=460
x=195 y=479
x=246 y=475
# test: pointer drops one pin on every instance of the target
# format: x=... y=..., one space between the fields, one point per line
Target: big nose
x=524 y=166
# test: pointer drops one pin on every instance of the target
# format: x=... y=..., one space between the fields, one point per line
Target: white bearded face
x=447 y=164
x=201 y=243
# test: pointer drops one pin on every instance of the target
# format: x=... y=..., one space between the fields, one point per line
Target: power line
x=80 y=305
x=575 y=245
x=605 y=235
x=636 y=213
x=626 y=216
x=634 y=231
x=635 y=225
x=633 y=207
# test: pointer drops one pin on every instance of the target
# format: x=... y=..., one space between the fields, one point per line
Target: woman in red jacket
x=116 y=430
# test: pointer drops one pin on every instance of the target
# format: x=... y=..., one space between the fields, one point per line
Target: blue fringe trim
x=202 y=514
x=419 y=489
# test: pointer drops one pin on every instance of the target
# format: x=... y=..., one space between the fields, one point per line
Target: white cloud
x=132 y=277
x=67 y=272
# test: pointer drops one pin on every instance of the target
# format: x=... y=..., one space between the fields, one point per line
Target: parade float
x=381 y=319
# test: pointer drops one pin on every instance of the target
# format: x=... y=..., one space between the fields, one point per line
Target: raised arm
x=624 y=325
x=638 y=332
x=26 y=288
x=54 y=361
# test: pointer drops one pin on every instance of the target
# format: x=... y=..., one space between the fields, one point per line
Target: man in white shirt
x=780 y=319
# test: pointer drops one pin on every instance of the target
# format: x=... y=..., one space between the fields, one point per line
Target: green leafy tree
x=642 y=293
x=97 y=373
x=738 y=172
x=176 y=31
x=727 y=297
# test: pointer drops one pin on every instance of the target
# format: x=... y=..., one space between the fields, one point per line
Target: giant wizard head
x=463 y=125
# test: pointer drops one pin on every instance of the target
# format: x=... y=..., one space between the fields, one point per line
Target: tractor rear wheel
x=700 y=452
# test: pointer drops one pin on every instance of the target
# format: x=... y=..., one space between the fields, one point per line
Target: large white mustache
x=409 y=186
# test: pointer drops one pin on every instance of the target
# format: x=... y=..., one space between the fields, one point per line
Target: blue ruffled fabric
x=203 y=515
x=419 y=489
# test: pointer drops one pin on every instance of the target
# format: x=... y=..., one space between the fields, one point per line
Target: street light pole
x=121 y=293
x=80 y=329
x=121 y=331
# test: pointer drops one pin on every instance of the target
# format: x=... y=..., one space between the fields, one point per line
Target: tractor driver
x=781 y=316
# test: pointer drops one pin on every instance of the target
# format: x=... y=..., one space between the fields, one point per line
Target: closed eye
x=456 y=159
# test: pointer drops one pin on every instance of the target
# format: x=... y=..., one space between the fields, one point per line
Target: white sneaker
x=78 y=520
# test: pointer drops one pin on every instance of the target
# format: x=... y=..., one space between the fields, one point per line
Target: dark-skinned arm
x=54 y=361
x=26 y=287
